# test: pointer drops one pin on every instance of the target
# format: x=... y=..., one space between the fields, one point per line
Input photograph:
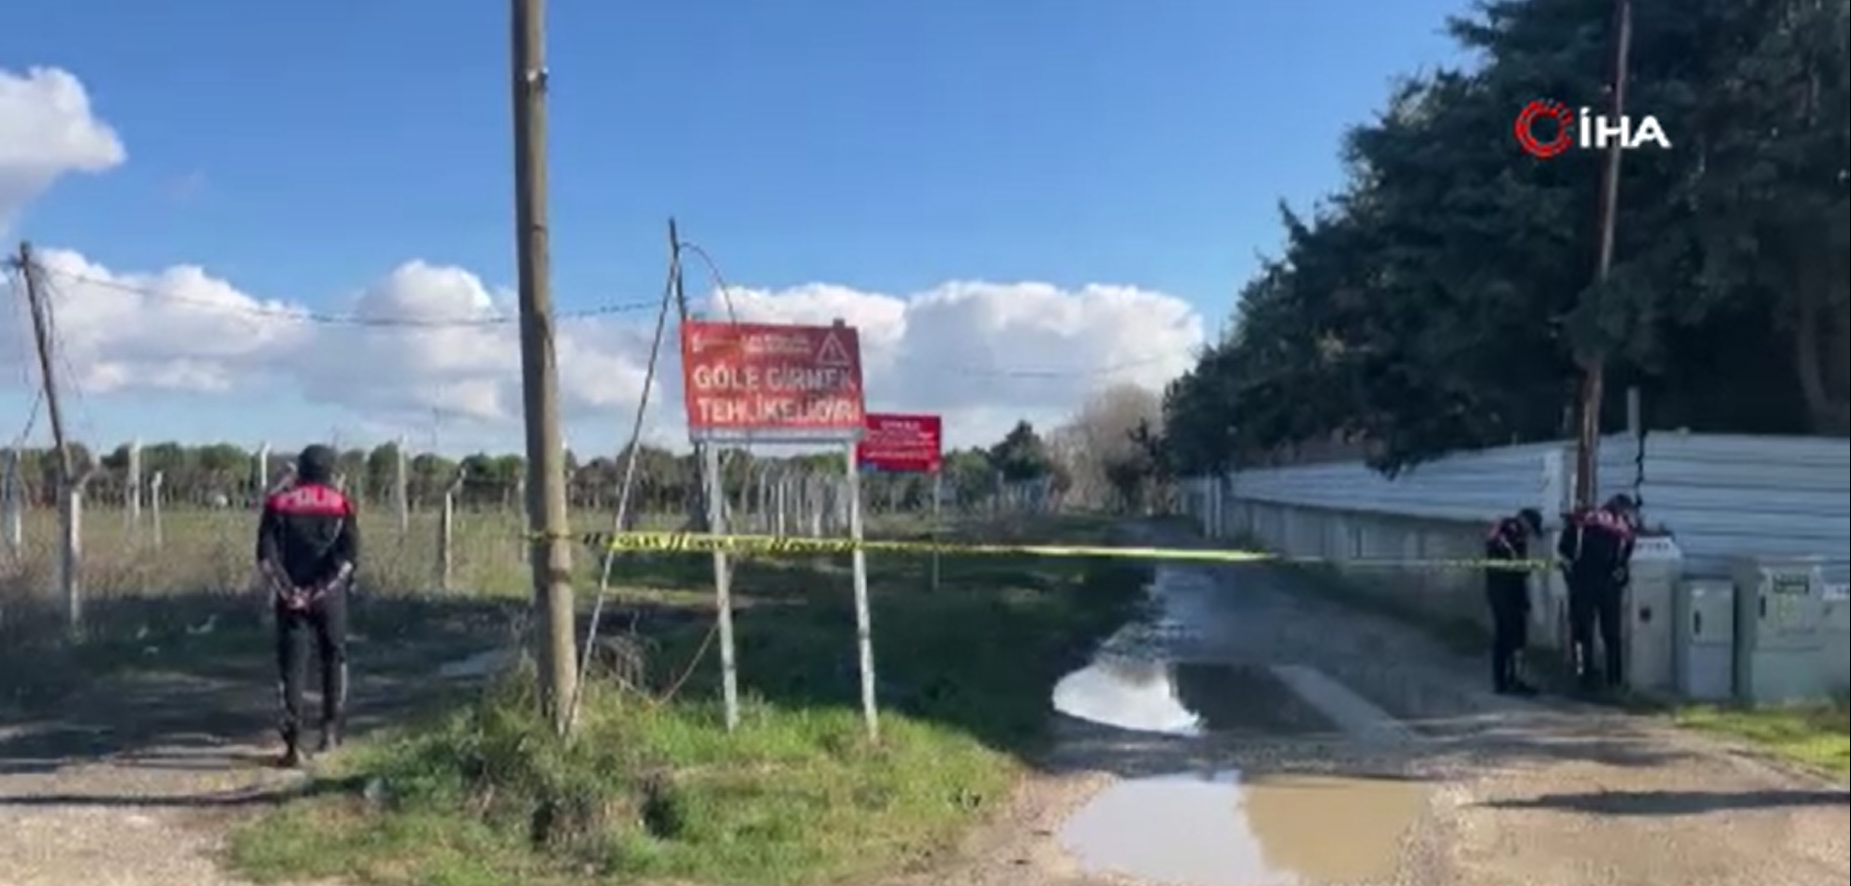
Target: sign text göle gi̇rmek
x=911 y=444
x=772 y=381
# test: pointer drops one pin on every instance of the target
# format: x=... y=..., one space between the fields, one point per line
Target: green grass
x=654 y=790
x=1816 y=736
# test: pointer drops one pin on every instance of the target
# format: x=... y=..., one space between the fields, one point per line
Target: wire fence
x=460 y=531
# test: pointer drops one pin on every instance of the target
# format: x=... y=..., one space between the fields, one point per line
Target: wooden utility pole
x=551 y=551
x=70 y=485
x=1594 y=379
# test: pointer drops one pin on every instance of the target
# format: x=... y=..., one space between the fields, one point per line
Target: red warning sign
x=908 y=444
x=794 y=382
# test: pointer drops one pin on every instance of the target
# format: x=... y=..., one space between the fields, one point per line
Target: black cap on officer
x=1622 y=505
x=316 y=464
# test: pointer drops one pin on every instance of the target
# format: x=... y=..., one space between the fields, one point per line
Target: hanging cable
x=621 y=518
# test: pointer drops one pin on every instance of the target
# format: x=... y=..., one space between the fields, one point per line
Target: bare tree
x=1102 y=450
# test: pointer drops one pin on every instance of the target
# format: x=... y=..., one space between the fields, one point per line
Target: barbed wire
x=303 y=315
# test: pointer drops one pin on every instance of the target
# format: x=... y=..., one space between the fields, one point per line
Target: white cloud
x=47 y=130
x=1010 y=348
x=983 y=354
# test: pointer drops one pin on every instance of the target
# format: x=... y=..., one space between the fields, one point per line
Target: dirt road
x=1305 y=744
x=1338 y=722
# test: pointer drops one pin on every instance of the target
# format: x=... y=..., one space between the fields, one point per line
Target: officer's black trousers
x=1508 y=595
x=1596 y=603
x=325 y=621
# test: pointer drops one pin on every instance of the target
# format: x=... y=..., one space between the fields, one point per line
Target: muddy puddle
x=1220 y=829
x=1142 y=678
x=1180 y=672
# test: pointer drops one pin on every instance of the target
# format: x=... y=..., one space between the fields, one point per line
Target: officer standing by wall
x=1596 y=550
x=1507 y=591
x=308 y=548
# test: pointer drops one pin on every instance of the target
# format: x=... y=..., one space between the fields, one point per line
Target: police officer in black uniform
x=1507 y=591
x=1596 y=550
x=307 y=549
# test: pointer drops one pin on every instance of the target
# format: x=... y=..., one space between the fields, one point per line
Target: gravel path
x=1511 y=793
x=134 y=781
x=85 y=801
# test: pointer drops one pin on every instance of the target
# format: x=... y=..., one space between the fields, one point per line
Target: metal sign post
x=746 y=383
x=722 y=586
x=864 y=619
x=938 y=496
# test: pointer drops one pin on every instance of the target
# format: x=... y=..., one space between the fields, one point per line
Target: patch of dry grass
x=211 y=550
x=137 y=584
x=138 y=580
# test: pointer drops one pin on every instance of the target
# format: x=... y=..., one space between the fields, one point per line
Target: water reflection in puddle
x=1214 y=830
x=1127 y=694
x=1136 y=682
x=475 y=667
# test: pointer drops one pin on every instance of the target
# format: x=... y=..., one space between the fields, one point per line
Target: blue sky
x=301 y=150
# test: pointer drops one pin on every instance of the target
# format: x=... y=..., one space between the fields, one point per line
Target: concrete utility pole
x=551 y=551
x=699 y=514
x=41 y=337
x=70 y=485
x=1594 y=379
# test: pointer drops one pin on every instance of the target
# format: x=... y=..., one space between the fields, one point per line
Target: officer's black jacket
x=308 y=532
x=1508 y=539
x=1597 y=545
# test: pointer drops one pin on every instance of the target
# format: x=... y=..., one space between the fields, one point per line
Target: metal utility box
x=1548 y=627
x=1780 y=630
x=1837 y=652
x=1547 y=611
x=1648 y=633
x=1703 y=647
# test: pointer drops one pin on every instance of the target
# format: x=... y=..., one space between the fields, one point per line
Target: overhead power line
x=723 y=295
x=324 y=318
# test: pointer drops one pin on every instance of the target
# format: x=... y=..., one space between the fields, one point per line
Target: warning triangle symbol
x=832 y=353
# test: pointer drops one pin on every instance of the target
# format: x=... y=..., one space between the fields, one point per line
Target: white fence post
x=13 y=503
x=131 y=493
x=446 y=533
x=156 y=536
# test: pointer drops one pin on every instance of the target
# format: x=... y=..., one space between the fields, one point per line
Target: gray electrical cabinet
x=1549 y=617
x=1838 y=641
x=1648 y=634
x=1548 y=625
x=1780 y=630
x=1703 y=647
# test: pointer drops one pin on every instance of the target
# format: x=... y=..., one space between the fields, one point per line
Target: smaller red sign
x=910 y=444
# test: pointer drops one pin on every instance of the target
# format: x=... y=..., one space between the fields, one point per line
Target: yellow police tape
x=702 y=543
